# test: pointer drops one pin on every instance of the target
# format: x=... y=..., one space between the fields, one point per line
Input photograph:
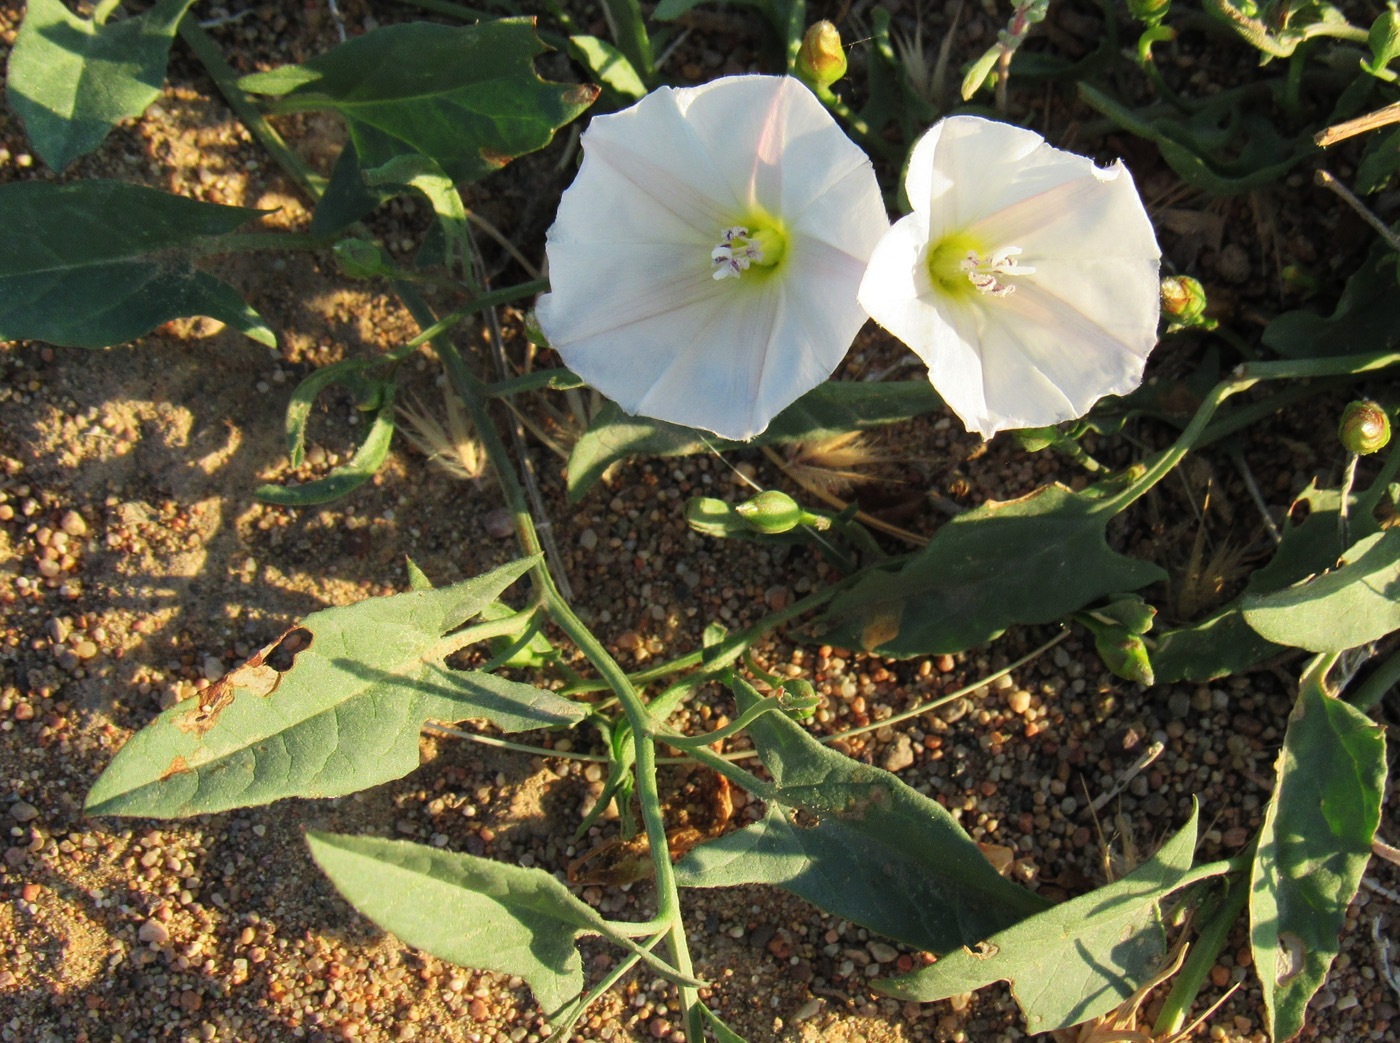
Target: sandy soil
x=136 y=567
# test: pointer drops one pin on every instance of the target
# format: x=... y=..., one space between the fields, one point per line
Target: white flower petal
x=634 y=308
x=1095 y=215
x=1073 y=319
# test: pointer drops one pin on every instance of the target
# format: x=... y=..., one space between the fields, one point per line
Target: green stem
x=1383 y=678
x=471 y=390
x=594 y=994
x=557 y=379
x=1204 y=952
x=312 y=183
x=472 y=307
x=1244 y=378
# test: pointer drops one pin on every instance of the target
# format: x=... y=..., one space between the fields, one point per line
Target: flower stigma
x=960 y=264
x=739 y=249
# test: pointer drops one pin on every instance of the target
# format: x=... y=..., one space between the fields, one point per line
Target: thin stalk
x=1383 y=678
x=1343 y=519
x=471 y=391
x=1204 y=952
x=478 y=304
x=1244 y=378
x=594 y=994
x=226 y=79
x=557 y=379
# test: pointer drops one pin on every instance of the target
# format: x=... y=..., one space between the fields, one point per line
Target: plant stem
x=1244 y=378
x=471 y=390
x=1383 y=678
x=1201 y=959
x=226 y=79
x=478 y=304
x=557 y=379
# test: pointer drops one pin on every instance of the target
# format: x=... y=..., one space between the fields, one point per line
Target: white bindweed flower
x=704 y=264
x=1026 y=277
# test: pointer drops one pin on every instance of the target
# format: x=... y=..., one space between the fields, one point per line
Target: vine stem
x=472 y=392
x=1244 y=378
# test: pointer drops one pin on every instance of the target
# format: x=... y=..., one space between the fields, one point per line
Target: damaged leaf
x=333 y=706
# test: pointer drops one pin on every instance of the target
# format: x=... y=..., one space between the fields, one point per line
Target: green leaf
x=472 y=911
x=1224 y=643
x=332 y=707
x=722 y=1032
x=347 y=197
x=421 y=173
x=1366 y=317
x=1313 y=848
x=1378 y=163
x=72 y=80
x=467 y=97
x=1349 y=606
x=368 y=458
x=1031 y=560
x=833 y=408
x=609 y=67
x=859 y=843
x=1076 y=960
x=97 y=263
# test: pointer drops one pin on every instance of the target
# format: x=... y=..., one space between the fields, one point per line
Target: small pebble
x=498 y=524
x=73 y=524
x=21 y=811
x=153 y=932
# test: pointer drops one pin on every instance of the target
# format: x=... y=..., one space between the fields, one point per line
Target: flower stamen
x=735 y=252
x=739 y=249
x=982 y=272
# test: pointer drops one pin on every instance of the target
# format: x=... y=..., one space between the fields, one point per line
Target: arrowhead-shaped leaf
x=859 y=843
x=833 y=408
x=471 y=911
x=72 y=81
x=1031 y=560
x=1076 y=960
x=342 y=715
x=466 y=96
x=1346 y=607
x=97 y=263
x=1313 y=848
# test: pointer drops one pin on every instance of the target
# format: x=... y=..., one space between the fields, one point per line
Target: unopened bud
x=534 y=331
x=361 y=259
x=1150 y=12
x=1034 y=439
x=774 y=511
x=821 y=60
x=1365 y=428
x=1184 y=302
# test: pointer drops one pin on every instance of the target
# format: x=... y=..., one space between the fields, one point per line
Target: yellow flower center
x=757 y=247
x=960 y=265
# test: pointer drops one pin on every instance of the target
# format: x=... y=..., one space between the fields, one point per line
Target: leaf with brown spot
x=344 y=714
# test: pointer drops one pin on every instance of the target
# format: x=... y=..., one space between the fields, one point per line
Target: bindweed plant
x=720 y=247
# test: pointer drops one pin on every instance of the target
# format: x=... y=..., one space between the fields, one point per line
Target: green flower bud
x=773 y=511
x=1125 y=654
x=798 y=699
x=1034 y=439
x=1150 y=12
x=821 y=60
x=1365 y=428
x=1184 y=303
x=534 y=331
x=361 y=259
